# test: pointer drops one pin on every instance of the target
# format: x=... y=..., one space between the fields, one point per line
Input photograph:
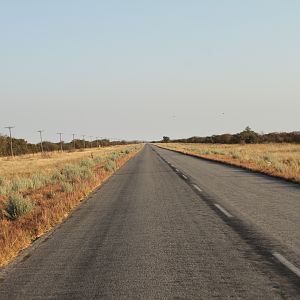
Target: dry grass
x=280 y=160
x=53 y=185
x=26 y=165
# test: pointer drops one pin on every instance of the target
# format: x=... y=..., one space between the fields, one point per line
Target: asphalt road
x=147 y=233
x=270 y=205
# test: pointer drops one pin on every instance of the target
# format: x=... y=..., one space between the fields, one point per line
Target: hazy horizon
x=141 y=70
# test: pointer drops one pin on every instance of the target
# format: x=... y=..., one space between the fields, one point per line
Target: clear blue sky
x=144 y=69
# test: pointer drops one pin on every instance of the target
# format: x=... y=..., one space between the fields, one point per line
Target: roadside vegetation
x=280 y=160
x=247 y=136
x=21 y=146
x=38 y=164
x=37 y=192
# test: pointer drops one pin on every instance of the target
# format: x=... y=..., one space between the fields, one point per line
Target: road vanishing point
x=169 y=226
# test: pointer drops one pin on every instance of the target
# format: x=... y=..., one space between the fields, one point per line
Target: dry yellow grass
x=280 y=160
x=27 y=165
x=52 y=201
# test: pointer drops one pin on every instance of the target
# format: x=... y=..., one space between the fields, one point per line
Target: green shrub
x=17 y=206
x=218 y=152
x=235 y=155
x=66 y=187
x=57 y=177
x=88 y=162
x=98 y=160
x=113 y=156
x=20 y=184
x=85 y=173
x=3 y=190
x=72 y=173
x=110 y=166
x=267 y=158
x=2 y=181
x=38 y=180
x=204 y=152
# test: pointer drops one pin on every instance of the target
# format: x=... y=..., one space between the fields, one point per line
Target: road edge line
x=223 y=210
x=286 y=263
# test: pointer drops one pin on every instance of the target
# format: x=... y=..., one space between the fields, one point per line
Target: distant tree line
x=21 y=146
x=247 y=136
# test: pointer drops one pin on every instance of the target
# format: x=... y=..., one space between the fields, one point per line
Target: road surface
x=271 y=206
x=148 y=233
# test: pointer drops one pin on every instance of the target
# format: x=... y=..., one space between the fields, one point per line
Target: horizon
x=78 y=138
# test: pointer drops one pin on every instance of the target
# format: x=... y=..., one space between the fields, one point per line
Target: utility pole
x=91 y=137
x=60 y=140
x=74 y=145
x=11 y=142
x=83 y=141
x=41 y=138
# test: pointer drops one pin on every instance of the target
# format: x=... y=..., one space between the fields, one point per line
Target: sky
x=145 y=69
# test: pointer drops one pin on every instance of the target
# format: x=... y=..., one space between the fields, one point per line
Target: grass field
x=27 y=165
x=280 y=160
x=37 y=192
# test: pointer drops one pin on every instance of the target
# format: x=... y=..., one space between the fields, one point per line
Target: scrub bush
x=16 y=206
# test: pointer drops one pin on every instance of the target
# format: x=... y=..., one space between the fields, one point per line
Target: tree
x=166 y=139
x=248 y=136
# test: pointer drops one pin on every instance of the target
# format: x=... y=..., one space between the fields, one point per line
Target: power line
x=11 y=142
x=60 y=140
x=83 y=140
x=41 y=138
x=74 y=144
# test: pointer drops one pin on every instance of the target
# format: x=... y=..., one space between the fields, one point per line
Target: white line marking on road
x=223 y=210
x=288 y=264
x=184 y=176
x=197 y=188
